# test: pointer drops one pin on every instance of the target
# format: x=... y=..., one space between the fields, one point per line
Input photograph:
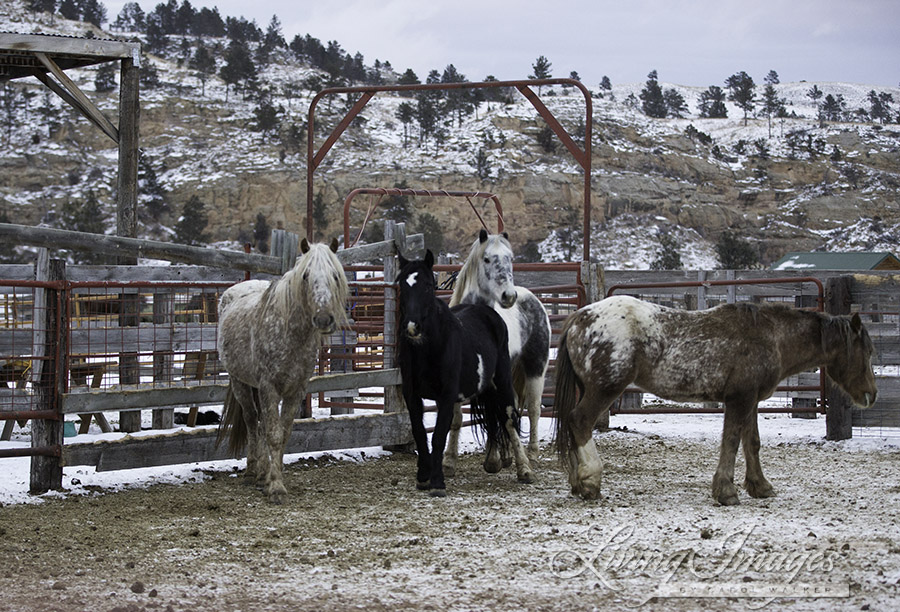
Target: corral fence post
x=49 y=376
x=393 y=394
x=163 y=357
x=838 y=412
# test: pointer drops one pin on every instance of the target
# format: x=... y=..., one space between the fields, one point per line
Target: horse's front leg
x=531 y=401
x=754 y=481
x=736 y=415
x=451 y=455
x=416 y=420
x=438 y=443
x=272 y=444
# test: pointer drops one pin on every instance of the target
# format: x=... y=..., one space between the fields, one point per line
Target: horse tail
x=489 y=415
x=232 y=425
x=564 y=399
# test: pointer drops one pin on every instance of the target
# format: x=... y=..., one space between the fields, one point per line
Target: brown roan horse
x=735 y=354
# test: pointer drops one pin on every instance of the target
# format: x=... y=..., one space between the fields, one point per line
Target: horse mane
x=467 y=279
x=293 y=286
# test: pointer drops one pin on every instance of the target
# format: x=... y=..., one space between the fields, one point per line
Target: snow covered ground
x=81 y=480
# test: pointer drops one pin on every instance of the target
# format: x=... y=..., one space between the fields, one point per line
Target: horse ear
x=506 y=235
x=402 y=260
x=855 y=323
x=429 y=258
x=304 y=246
x=334 y=245
x=482 y=235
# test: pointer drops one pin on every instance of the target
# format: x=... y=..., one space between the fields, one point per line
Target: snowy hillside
x=805 y=187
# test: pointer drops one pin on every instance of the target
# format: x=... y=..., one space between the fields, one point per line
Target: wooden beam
x=129 y=137
x=181 y=253
x=85 y=106
x=138 y=399
x=69 y=45
x=188 y=446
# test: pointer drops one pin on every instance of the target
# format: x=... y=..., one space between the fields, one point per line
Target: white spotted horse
x=735 y=354
x=269 y=337
x=451 y=356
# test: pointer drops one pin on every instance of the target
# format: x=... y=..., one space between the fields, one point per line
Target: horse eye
x=486 y=260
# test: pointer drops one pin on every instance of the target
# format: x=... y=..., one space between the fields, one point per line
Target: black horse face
x=416 y=287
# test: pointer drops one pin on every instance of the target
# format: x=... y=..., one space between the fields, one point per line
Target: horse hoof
x=449 y=471
x=423 y=486
x=492 y=467
x=759 y=491
x=526 y=478
x=438 y=493
x=731 y=500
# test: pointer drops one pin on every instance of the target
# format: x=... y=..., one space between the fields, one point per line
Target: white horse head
x=487 y=273
x=317 y=283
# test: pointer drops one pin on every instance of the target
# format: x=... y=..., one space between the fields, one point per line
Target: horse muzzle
x=508 y=298
x=412 y=331
x=324 y=322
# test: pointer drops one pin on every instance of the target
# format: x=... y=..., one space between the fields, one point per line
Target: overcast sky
x=697 y=43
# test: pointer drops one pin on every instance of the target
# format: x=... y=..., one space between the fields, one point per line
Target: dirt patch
x=359 y=536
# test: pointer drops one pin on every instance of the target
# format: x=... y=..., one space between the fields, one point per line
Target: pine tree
x=131 y=18
x=93 y=12
x=735 y=253
x=834 y=107
x=189 y=228
x=429 y=226
x=84 y=216
x=668 y=257
x=157 y=41
x=70 y=9
x=712 y=103
x=41 y=6
x=540 y=70
x=772 y=78
x=105 y=80
x=204 y=64
x=406 y=112
x=653 y=102
x=772 y=105
x=742 y=92
x=675 y=104
x=239 y=70
x=815 y=94
x=605 y=83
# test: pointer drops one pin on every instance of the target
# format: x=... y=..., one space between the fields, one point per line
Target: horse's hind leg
x=736 y=414
x=585 y=465
x=754 y=481
x=246 y=396
x=524 y=473
x=452 y=453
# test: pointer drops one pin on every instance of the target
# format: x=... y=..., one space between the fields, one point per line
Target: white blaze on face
x=411 y=279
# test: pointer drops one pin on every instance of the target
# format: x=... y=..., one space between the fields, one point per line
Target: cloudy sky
x=696 y=43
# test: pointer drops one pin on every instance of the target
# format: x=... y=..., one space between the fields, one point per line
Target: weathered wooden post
x=838 y=412
x=50 y=375
x=393 y=394
x=163 y=358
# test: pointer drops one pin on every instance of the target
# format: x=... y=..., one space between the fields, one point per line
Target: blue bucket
x=69 y=429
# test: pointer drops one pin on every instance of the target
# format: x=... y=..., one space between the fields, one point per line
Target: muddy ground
x=357 y=535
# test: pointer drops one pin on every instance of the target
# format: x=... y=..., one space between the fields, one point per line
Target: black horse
x=452 y=356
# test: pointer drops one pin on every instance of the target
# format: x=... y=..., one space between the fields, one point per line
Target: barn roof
x=837 y=261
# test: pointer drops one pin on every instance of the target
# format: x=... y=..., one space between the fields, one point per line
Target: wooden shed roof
x=20 y=54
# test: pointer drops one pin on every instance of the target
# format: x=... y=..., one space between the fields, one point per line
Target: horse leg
x=524 y=473
x=452 y=453
x=271 y=444
x=531 y=401
x=723 y=489
x=244 y=394
x=585 y=467
x=423 y=463
x=438 y=443
x=754 y=481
